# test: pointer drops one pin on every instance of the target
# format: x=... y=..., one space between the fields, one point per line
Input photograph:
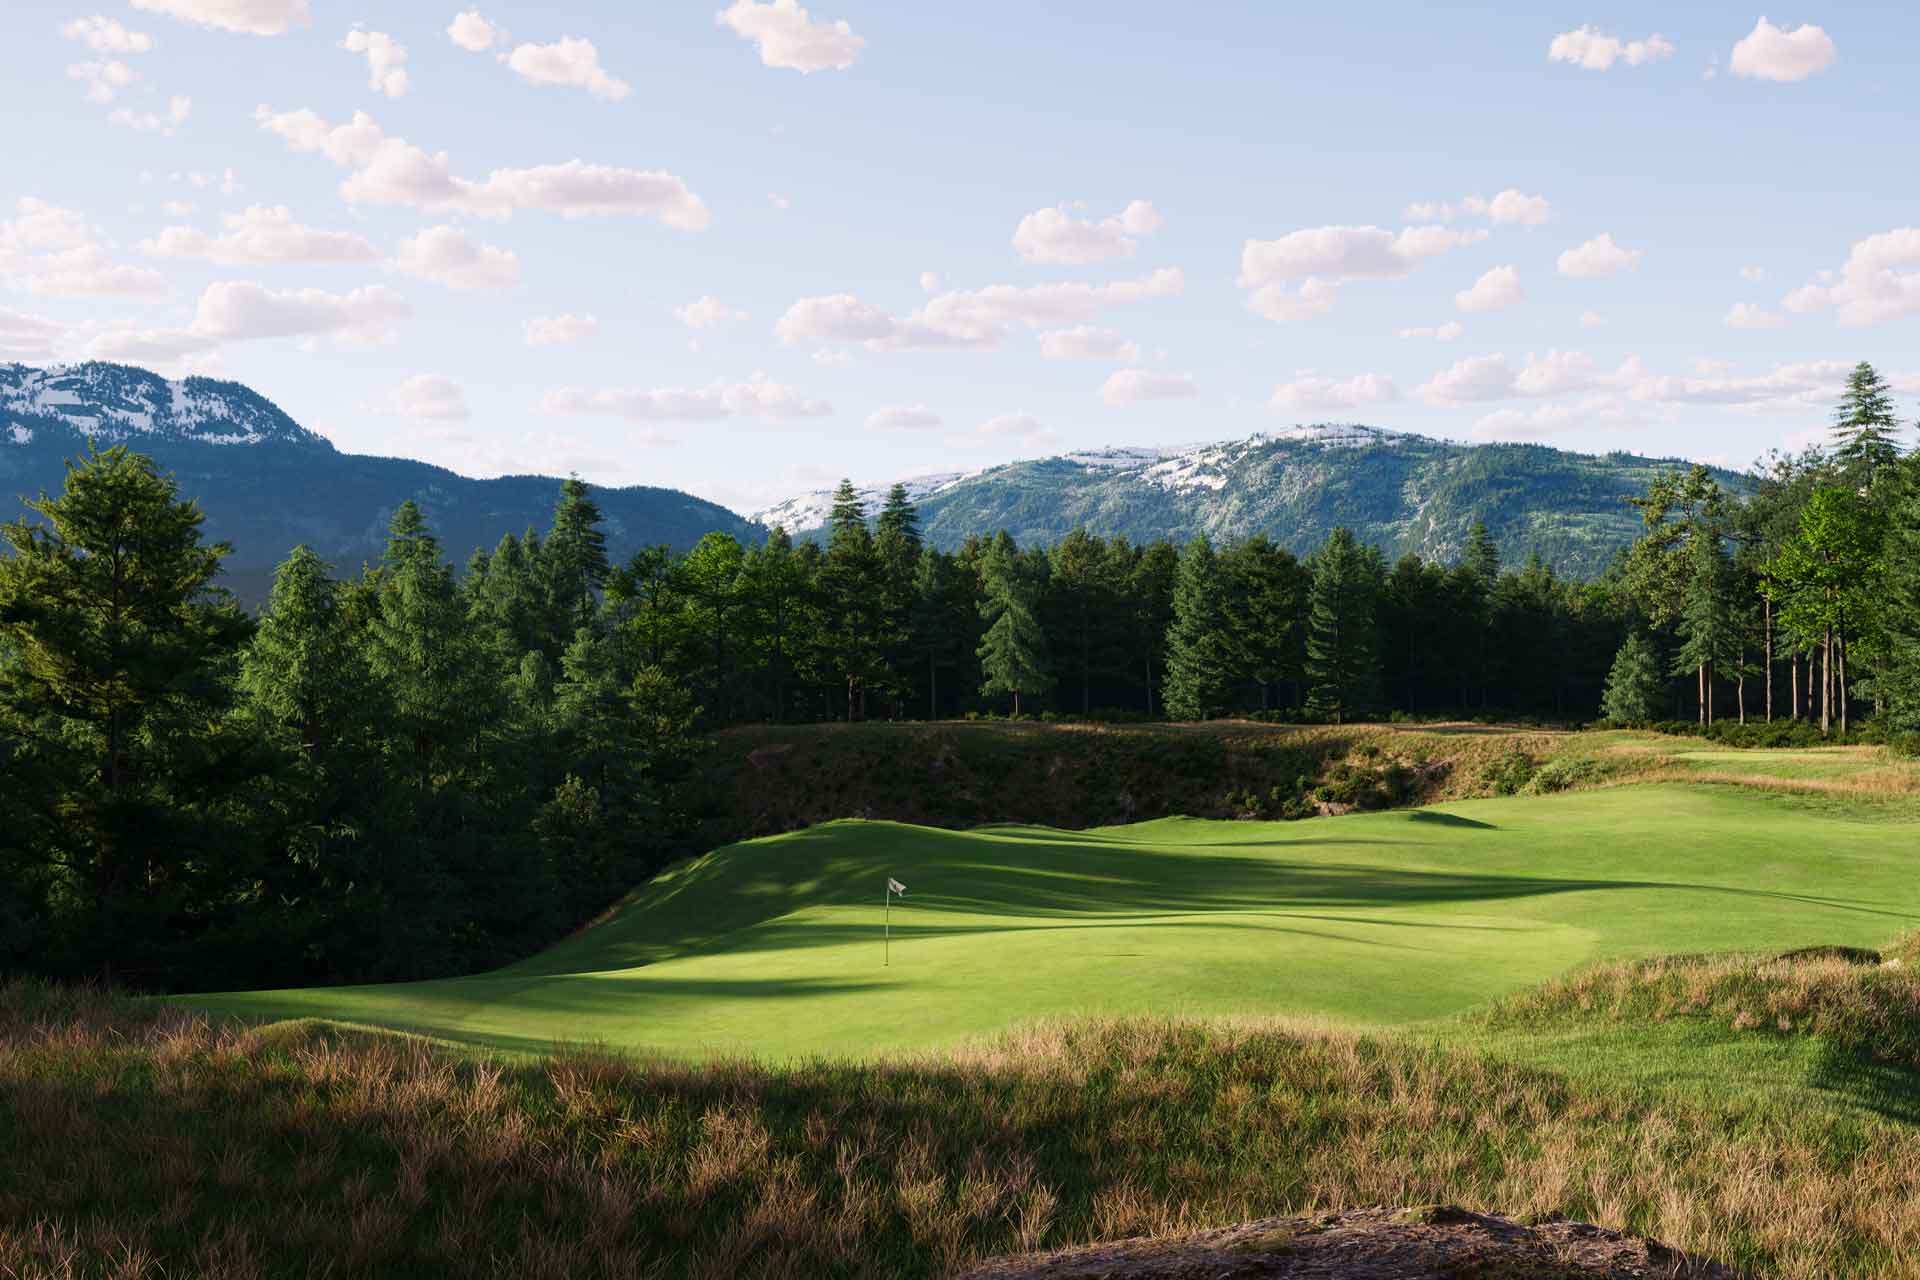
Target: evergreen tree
x=854 y=636
x=1266 y=605
x=1897 y=684
x=1200 y=644
x=1635 y=684
x=1342 y=664
x=1482 y=557
x=1013 y=652
x=1150 y=587
x=943 y=619
x=1865 y=426
x=573 y=566
x=1706 y=622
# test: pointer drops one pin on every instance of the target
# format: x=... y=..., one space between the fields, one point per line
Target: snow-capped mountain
x=119 y=404
x=1396 y=490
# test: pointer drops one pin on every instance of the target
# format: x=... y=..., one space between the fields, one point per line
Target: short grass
x=772 y=948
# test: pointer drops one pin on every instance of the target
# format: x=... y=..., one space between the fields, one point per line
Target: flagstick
x=886 y=952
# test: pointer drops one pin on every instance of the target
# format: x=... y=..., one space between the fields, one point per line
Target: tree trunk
x=1826 y=684
x=933 y=687
x=1840 y=681
x=1793 y=673
x=1700 y=690
x=1767 y=605
x=1740 y=694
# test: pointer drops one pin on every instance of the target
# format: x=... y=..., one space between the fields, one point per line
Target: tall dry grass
x=145 y=1143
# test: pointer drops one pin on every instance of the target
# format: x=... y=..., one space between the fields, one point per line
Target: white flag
x=896 y=887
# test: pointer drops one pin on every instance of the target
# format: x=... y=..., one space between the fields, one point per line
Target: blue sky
x=936 y=237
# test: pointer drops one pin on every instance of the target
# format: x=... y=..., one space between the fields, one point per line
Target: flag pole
x=886 y=953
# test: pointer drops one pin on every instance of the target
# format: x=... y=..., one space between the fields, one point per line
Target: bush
x=1563 y=773
x=1508 y=775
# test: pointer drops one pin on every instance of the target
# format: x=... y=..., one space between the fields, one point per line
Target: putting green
x=773 y=947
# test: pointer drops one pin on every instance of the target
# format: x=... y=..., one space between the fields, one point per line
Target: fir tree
x=1013 y=653
x=1635 y=684
x=1200 y=657
x=1865 y=425
x=1342 y=665
x=1706 y=623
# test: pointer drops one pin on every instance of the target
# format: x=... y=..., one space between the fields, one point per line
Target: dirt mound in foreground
x=1436 y=1243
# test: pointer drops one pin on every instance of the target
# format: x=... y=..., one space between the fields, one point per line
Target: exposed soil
x=1433 y=1243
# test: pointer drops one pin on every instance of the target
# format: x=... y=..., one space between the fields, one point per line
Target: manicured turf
x=773 y=947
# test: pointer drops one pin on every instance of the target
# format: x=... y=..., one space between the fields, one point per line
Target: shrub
x=1508 y=775
x=1563 y=773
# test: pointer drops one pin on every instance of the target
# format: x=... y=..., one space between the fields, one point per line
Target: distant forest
x=414 y=771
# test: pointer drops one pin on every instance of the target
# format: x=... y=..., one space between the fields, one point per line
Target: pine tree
x=1865 y=426
x=1708 y=633
x=1635 y=684
x=1482 y=556
x=573 y=567
x=854 y=637
x=1013 y=653
x=1897 y=684
x=1342 y=662
x=1200 y=642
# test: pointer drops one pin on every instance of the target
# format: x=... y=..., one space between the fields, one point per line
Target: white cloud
x=708 y=313
x=1598 y=257
x=787 y=38
x=1512 y=206
x=1592 y=320
x=1586 y=47
x=1557 y=373
x=1430 y=211
x=1311 y=394
x=567 y=61
x=553 y=331
x=474 y=33
x=386 y=60
x=102 y=79
x=779 y=202
x=1056 y=236
x=903 y=418
x=42 y=227
x=430 y=396
x=390 y=170
x=930 y=281
x=88 y=271
x=1021 y=426
x=249 y=17
x=260 y=236
x=1880 y=281
x=449 y=256
x=1129 y=386
x=1472 y=379
x=179 y=108
x=1085 y=342
x=1795 y=387
x=1753 y=275
x=24 y=336
x=104 y=35
x=757 y=397
x=1448 y=332
x=1549 y=419
x=972 y=319
x=1320 y=257
x=240 y=310
x=1496 y=289
x=1769 y=53
x=1745 y=315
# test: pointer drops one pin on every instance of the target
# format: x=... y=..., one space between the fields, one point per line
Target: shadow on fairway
x=1434 y=818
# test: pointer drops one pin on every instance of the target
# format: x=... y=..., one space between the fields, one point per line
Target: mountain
x=267 y=484
x=1402 y=491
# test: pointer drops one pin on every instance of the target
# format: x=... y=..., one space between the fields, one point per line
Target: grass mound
x=144 y=1142
x=1864 y=1003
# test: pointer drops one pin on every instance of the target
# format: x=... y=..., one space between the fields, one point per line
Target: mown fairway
x=773 y=947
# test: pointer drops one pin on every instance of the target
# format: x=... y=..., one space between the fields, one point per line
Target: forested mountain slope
x=268 y=484
x=1403 y=492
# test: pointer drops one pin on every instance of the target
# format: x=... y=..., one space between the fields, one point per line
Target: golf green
x=774 y=947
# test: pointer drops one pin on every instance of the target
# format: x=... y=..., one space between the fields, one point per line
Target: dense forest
x=415 y=770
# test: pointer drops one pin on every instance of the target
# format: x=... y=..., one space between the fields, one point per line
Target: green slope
x=773 y=947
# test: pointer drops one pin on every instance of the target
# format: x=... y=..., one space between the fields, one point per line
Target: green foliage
x=1013 y=652
x=1341 y=662
x=1634 y=685
x=1508 y=775
x=1199 y=643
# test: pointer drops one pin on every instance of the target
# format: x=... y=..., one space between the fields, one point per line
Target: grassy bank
x=145 y=1143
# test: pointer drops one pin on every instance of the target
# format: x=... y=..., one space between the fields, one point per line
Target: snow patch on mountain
x=120 y=404
x=1183 y=468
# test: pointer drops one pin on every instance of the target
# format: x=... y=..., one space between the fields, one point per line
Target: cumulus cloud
x=260 y=236
x=386 y=60
x=474 y=33
x=1587 y=48
x=903 y=418
x=1056 y=236
x=104 y=35
x=1496 y=289
x=1319 y=258
x=553 y=331
x=391 y=171
x=429 y=396
x=1769 y=53
x=241 y=310
x=53 y=252
x=1085 y=342
x=789 y=39
x=102 y=80
x=179 y=108
x=1475 y=378
x=1598 y=257
x=1448 y=332
x=1879 y=281
x=1787 y=388
x=708 y=313
x=248 y=17
x=1021 y=426
x=1311 y=394
x=1549 y=419
x=449 y=256
x=1129 y=386
x=757 y=397
x=1746 y=315
x=967 y=319
x=1512 y=206
x=567 y=61
x=24 y=336
x=930 y=281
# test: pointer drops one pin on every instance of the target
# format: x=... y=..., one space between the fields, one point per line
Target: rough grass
x=143 y=1142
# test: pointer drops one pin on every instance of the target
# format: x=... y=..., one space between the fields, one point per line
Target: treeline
x=416 y=771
